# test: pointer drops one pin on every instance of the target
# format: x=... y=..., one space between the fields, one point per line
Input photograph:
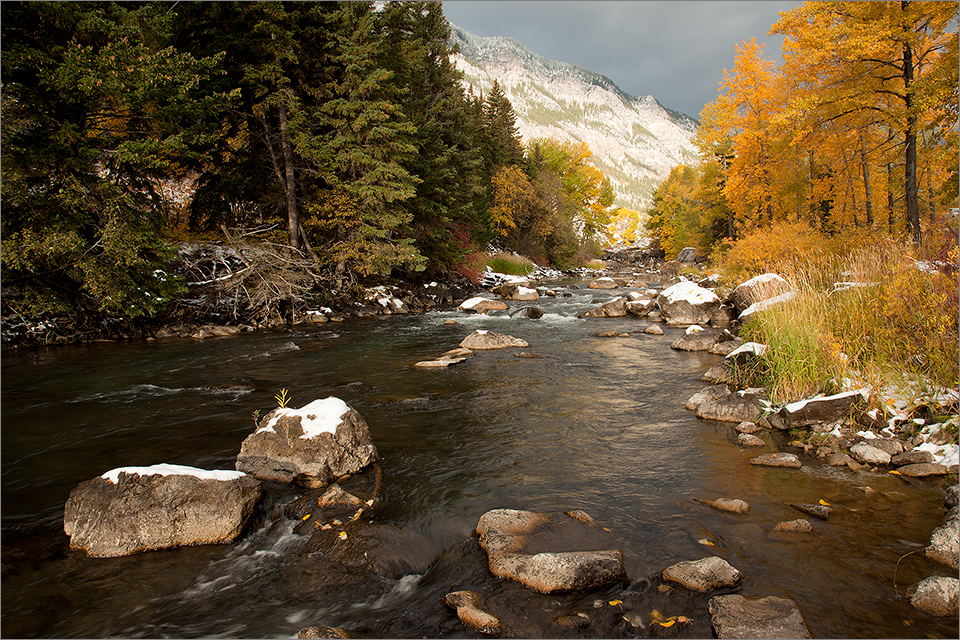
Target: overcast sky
x=674 y=51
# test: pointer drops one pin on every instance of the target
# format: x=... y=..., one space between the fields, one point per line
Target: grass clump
x=874 y=315
x=507 y=263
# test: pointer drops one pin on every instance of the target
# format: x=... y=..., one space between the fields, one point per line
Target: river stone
x=616 y=308
x=702 y=575
x=335 y=496
x=439 y=363
x=482 y=339
x=687 y=303
x=482 y=305
x=735 y=616
x=748 y=427
x=324 y=440
x=743 y=406
x=135 y=509
x=549 y=552
x=654 y=330
x=937 y=595
x=468 y=605
x=865 y=453
x=531 y=313
x=758 y=289
x=215 y=331
x=789 y=460
x=720 y=372
x=923 y=470
x=319 y=632
x=696 y=338
x=839 y=459
x=516 y=291
x=822 y=409
x=730 y=505
x=915 y=456
x=800 y=525
x=710 y=393
x=952 y=497
x=819 y=510
x=944 y=546
x=726 y=347
x=893 y=446
x=603 y=283
x=750 y=440
x=640 y=308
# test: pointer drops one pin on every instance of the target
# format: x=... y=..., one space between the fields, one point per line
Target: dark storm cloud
x=675 y=51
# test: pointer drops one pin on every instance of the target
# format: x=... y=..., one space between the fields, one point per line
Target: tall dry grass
x=874 y=314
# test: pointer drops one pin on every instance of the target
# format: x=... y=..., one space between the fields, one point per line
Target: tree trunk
x=910 y=140
x=866 y=181
x=293 y=215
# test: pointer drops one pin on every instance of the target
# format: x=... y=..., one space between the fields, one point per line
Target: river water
x=591 y=423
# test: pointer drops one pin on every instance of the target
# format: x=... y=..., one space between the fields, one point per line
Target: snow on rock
x=763 y=305
x=687 y=303
x=320 y=416
x=113 y=476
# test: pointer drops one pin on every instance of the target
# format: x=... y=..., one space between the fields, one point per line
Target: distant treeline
x=338 y=128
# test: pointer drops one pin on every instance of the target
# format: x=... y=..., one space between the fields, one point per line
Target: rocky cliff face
x=635 y=141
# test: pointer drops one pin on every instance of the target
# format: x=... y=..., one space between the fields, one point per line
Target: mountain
x=635 y=141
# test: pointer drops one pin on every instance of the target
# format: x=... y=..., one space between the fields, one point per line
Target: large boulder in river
x=616 y=308
x=516 y=291
x=937 y=595
x=482 y=339
x=324 y=440
x=550 y=552
x=944 y=544
x=758 y=289
x=702 y=575
x=687 y=303
x=133 y=509
x=482 y=305
x=696 y=338
x=734 y=616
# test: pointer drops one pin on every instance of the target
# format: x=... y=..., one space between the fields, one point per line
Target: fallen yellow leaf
x=343 y=535
x=668 y=623
x=824 y=502
x=306 y=517
x=894 y=472
x=614 y=603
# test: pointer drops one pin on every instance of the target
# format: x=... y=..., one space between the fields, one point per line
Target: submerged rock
x=482 y=339
x=731 y=505
x=133 y=509
x=324 y=440
x=734 y=616
x=549 y=552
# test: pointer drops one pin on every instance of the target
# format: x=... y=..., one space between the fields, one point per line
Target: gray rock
x=911 y=457
x=788 y=460
x=951 y=499
x=943 y=547
x=704 y=395
x=720 y=372
x=482 y=305
x=135 y=509
x=468 y=605
x=616 y=308
x=734 y=616
x=687 y=255
x=724 y=316
x=516 y=291
x=748 y=427
x=923 y=470
x=549 y=552
x=330 y=447
x=726 y=347
x=696 y=338
x=653 y=330
x=730 y=505
x=640 y=308
x=818 y=510
x=603 y=283
x=749 y=440
x=687 y=303
x=758 y=289
x=702 y=575
x=531 y=313
x=867 y=454
x=736 y=407
x=481 y=340
x=799 y=525
x=936 y=595
x=825 y=409
x=893 y=446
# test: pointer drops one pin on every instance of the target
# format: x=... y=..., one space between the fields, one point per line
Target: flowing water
x=591 y=423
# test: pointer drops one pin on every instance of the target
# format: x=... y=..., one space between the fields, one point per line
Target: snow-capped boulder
x=482 y=339
x=482 y=305
x=550 y=552
x=763 y=305
x=616 y=308
x=687 y=303
x=758 y=289
x=734 y=616
x=516 y=291
x=743 y=406
x=324 y=440
x=804 y=413
x=702 y=575
x=641 y=307
x=133 y=509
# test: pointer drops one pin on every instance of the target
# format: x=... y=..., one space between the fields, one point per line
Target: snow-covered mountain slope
x=635 y=141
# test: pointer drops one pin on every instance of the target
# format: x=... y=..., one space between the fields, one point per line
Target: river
x=591 y=423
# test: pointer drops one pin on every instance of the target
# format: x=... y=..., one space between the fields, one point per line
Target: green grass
x=507 y=263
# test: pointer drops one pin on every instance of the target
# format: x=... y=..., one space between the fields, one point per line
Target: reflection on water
x=590 y=423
